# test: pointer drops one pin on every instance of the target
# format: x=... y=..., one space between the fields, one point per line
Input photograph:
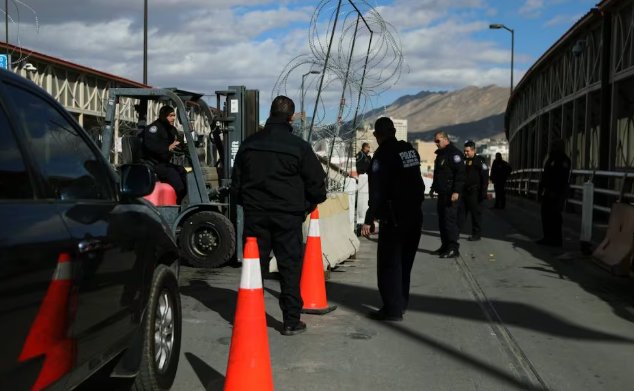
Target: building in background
x=487 y=148
x=401 y=128
x=427 y=152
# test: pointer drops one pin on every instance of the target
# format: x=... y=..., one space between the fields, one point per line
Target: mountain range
x=470 y=113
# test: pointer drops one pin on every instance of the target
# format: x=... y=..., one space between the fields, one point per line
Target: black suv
x=88 y=271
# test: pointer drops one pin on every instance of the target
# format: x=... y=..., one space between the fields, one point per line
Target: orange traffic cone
x=48 y=333
x=249 y=366
x=313 y=283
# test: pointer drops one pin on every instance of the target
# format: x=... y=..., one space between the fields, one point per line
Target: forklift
x=207 y=224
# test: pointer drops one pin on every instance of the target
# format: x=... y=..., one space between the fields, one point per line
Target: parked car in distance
x=88 y=270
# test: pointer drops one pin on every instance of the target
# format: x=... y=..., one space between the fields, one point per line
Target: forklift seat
x=162 y=195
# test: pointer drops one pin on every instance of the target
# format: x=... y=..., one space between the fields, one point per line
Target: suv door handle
x=86 y=246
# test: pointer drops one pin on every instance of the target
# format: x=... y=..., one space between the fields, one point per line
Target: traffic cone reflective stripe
x=48 y=333
x=251 y=277
x=313 y=282
x=313 y=229
x=249 y=365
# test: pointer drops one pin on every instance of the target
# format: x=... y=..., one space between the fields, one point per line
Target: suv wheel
x=161 y=334
x=207 y=239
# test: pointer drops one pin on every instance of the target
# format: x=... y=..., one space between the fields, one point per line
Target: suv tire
x=161 y=334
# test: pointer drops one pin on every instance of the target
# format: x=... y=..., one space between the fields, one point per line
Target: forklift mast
x=240 y=119
x=241 y=116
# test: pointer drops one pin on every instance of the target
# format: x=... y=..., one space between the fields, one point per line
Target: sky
x=208 y=45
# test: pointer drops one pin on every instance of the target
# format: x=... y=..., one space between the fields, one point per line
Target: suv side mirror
x=137 y=180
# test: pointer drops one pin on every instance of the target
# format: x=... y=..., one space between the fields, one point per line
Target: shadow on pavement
x=359 y=299
x=210 y=379
x=524 y=219
x=220 y=300
x=517 y=314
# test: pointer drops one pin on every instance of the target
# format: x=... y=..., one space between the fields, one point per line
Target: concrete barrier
x=617 y=249
x=350 y=188
x=363 y=196
x=338 y=240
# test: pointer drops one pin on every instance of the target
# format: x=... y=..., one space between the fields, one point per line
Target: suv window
x=69 y=166
x=14 y=178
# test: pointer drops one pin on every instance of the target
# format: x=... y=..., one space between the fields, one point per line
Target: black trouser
x=283 y=234
x=448 y=222
x=500 y=194
x=395 y=256
x=552 y=205
x=175 y=176
x=470 y=204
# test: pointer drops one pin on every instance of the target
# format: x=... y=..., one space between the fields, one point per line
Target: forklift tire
x=207 y=239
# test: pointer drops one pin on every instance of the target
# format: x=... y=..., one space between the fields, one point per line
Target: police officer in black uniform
x=475 y=189
x=363 y=159
x=500 y=171
x=160 y=139
x=396 y=195
x=553 y=191
x=449 y=173
x=278 y=180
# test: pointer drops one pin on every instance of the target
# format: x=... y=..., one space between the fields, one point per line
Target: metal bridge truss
x=582 y=91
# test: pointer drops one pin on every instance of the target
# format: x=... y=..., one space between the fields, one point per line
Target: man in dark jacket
x=160 y=139
x=396 y=195
x=363 y=159
x=553 y=191
x=500 y=171
x=475 y=189
x=449 y=173
x=278 y=180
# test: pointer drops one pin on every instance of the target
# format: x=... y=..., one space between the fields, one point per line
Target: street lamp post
x=301 y=100
x=497 y=26
x=145 y=42
x=6 y=27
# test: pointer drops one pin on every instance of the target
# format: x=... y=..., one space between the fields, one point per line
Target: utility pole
x=497 y=26
x=144 y=41
x=6 y=24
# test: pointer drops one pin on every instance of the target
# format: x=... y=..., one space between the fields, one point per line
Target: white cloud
x=206 y=45
x=532 y=8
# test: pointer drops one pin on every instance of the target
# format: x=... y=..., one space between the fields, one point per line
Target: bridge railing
x=618 y=186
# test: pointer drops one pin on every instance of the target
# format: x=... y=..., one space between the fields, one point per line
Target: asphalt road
x=506 y=315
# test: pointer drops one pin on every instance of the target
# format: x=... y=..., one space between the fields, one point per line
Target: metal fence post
x=587 y=210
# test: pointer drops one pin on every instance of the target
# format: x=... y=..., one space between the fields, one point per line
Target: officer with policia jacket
x=396 y=196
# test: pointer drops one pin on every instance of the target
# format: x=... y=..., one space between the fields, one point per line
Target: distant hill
x=469 y=113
